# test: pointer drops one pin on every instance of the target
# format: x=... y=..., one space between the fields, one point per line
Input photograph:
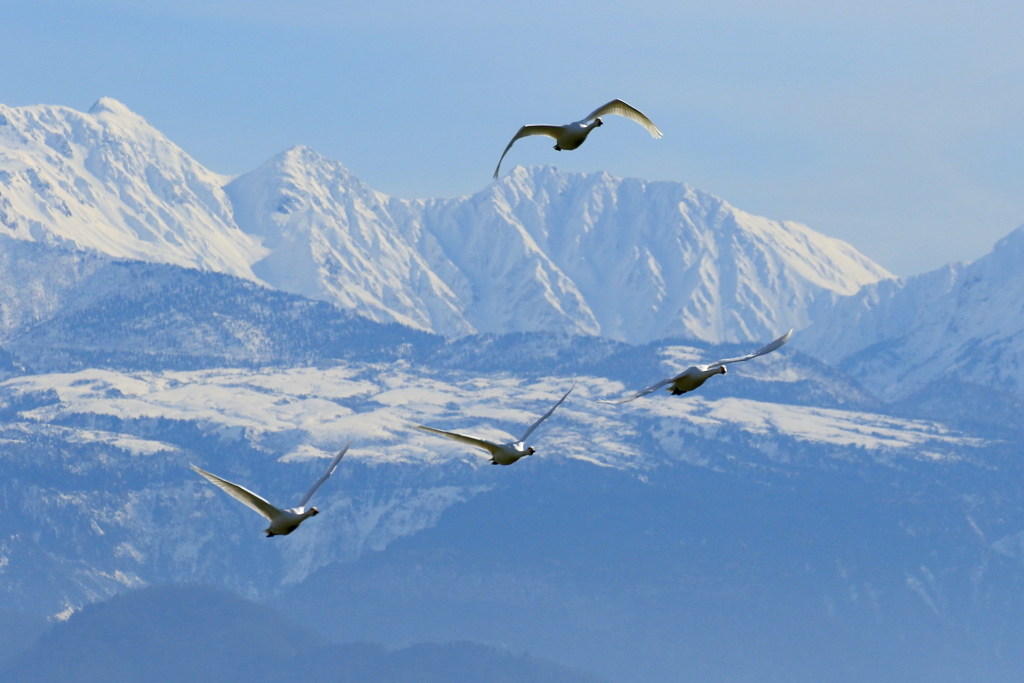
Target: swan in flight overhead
x=282 y=522
x=572 y=135
x=693 y=377
x=505 y=453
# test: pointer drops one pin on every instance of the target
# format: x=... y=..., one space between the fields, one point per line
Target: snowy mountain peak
x=301 y=171
x=331 y=237
x=303 y=156
x=539 y=250
x=108 y=105
x=656 y=259
x=110 y=182
x=958 y=322
x=1010 y=247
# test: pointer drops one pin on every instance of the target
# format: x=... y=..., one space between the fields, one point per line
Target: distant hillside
x=70 y=309
x=179 y=634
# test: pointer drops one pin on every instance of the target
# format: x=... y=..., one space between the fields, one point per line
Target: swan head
x=597 y=123
x=530 y=451
x=313 y=512
x=722 y=370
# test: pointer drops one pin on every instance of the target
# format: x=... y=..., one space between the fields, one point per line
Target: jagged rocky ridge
x=541 y=250
x=108 y=181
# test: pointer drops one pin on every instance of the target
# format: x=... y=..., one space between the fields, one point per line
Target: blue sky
x=897 y=126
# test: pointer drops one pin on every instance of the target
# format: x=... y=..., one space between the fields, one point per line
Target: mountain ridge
x=166 y=634
x=539 y=250
x=959 y=323
x=110 y=182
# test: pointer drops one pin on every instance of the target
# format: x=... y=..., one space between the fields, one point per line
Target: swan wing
x=325 y=476
x=547 y=414
x=469 y=440
x=768 y=348
x=525 y=132
x=241 y=494
x=620 y=108
x=643 y=392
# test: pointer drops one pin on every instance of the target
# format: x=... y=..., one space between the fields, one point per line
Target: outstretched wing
x=620 y=108
x=525 y=132
x=643 y=392
x=547 y=414
x=768 y=348
x=242 y=495
x=326 y=475
x=469 y=440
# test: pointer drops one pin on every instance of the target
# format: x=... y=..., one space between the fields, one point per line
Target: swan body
x=572 y=135
x=693 y=377
x=282 y=522
x=503 y=453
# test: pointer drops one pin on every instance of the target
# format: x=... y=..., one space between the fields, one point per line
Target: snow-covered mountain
x=962 y=322
x=633 y=260
x=781 y=524
x=108 y=451
x=108 y=181
x=540 y=250
x=331 y=237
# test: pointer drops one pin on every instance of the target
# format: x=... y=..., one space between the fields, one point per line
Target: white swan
x=693 y=377
x=505 y=453
x=282 y=522
x=572 y=135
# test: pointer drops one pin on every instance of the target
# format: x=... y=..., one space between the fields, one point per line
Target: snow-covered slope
x=116 y=446
x=541 y=250
x=961 y=321
x=36 y=278
x=635 y=261
x=107 y=180
x=330 y=237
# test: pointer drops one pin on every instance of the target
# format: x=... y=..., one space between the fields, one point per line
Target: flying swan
x=501 y=454
x=282 y=522
x=572 y=135
x=693 y=377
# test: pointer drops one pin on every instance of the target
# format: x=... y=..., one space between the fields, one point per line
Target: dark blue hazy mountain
x=852 y=573
x=185 y=634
